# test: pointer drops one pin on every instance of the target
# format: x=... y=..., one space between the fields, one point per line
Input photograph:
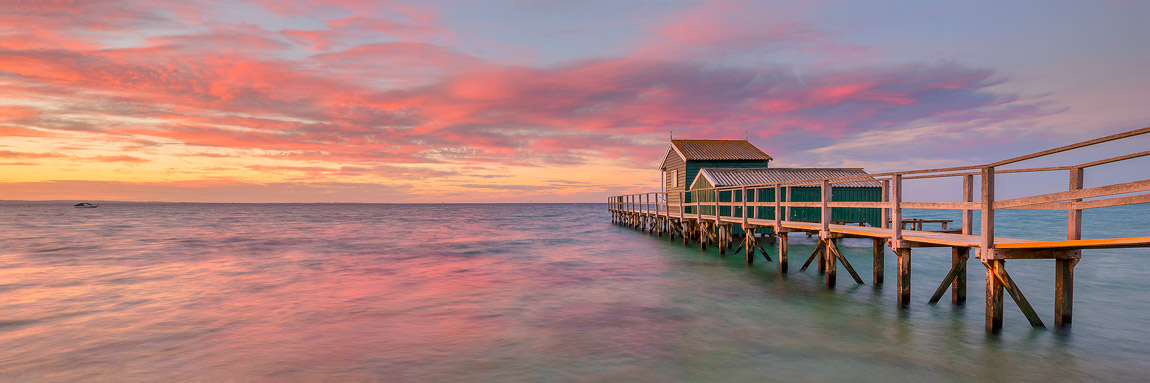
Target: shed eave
x=670 y=147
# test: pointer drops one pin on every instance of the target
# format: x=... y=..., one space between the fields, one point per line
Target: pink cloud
x=372 y=106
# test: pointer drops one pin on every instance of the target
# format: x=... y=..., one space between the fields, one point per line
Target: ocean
x=186 y=292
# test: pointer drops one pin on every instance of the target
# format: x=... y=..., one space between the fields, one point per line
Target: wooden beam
x=1016 y=294
x=1040 y=253
x=765 y=255
x=957 y=269
x=834 y=249
x=959 y=257
x=1122 y=188
x=1114 y=159
x=1075 y=146
x=1107 y=202
x=818 y=249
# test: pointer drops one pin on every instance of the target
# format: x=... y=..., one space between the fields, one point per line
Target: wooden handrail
x=892 y=185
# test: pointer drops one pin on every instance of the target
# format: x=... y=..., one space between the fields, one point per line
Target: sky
x=539 y=101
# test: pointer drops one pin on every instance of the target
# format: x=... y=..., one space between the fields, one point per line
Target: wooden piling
x=993 y=296
x=782 y=235
x=831 y=262
x=749 y=241
x=879 y=255
x=903 y=280
x=1063 y=291
x=958 y=259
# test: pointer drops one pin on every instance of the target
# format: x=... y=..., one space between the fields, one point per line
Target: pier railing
x=711 y=215
x=761 y=202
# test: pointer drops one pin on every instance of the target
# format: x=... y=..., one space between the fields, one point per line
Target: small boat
x=84 y=205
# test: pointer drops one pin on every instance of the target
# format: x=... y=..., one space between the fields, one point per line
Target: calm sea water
x=142 y=292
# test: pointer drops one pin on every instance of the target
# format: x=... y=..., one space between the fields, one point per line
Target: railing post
x=744 y=191
x=967 y=196
x=699 y=221
x=718 y=236
x=1074 y=216
x=825 y=188
x=885 y=211
x=682 y=216
x=778 y=208
x=896 y=212
x=1064 y=268
x=784 y=247
x=987 y=211
x=716 y=193
x=787 y=210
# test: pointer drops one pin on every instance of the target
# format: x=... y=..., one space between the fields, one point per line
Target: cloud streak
x=377 y=91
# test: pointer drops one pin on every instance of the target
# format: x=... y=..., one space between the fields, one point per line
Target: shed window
x=674 y=178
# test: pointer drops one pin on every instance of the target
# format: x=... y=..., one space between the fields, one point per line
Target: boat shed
x=684 y=158
x=868 y=190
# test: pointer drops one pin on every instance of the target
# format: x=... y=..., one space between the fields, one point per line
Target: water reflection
x=170 y=292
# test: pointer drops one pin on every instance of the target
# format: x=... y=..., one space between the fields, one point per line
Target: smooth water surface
x=151 y=292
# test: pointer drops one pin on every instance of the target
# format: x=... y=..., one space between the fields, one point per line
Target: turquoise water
x=428 y=293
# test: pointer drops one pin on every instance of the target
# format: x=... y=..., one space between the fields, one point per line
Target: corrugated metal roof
x=712 y=150
x=735 y=177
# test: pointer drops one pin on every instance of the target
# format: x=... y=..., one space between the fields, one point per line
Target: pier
x=742 y=218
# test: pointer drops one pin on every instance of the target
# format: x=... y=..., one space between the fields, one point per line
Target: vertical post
x=824 y=229
x=748 y=233
x=1074 y=216
x=903 y=280
x=1064 y=268
x=825 y=188
x=885 y=210
x=782 y=236
x=958 y=259
x=778 y=209
x=987 y=211
x=787 y=210
x=643 y=198
x=702 y=226
x=745 y=215
x=879 y=260
x=831 y=261
x=779 y=233
x=993 y=294
x=896 y=211
x=718 y=235
x=1063 y=292
x=682 y=217
x=967 y=196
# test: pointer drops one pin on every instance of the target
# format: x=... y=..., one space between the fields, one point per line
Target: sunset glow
x=379 y=101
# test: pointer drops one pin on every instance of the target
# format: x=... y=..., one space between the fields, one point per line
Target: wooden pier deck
x=717 y=227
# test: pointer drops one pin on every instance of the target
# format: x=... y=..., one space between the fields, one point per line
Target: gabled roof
x=714 y=150
x=717 y=150
x=752 y=176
